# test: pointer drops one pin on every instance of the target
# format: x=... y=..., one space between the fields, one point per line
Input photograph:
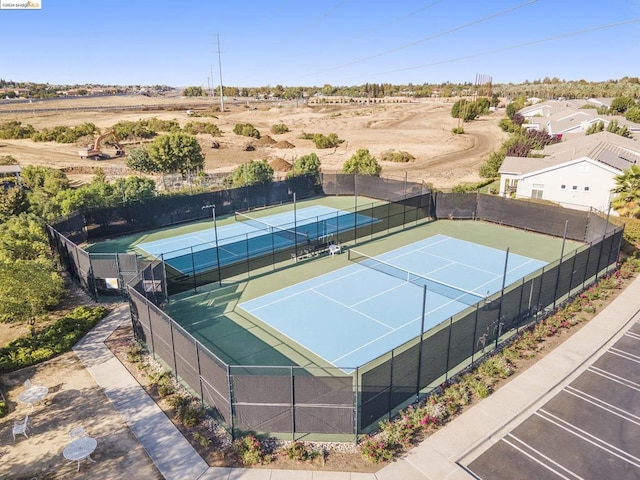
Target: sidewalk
x=434 y=459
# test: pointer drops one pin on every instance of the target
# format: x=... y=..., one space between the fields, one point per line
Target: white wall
x=598 y=178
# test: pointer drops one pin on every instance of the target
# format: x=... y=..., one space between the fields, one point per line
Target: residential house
x=578 y=173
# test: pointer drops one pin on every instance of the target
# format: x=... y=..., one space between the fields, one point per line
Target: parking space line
x=633 y=335
x=623 y=354
x=602 y=405
x=548 y=467
x=614 y=377
x=598 y=442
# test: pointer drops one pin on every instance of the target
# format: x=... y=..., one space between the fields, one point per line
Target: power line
x=426 y=39
x=513 y=47
x=403 y=17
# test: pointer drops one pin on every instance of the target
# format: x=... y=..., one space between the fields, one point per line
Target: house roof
x=9 y=169
x=606 y=148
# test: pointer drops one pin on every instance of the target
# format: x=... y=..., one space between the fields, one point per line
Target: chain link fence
x=300 y=401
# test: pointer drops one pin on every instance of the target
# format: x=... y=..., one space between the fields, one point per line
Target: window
x=575 y=187
x=563 y=186
x=537 y=190
x=586 y=189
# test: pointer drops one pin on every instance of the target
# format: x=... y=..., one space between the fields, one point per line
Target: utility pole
x=220 y=68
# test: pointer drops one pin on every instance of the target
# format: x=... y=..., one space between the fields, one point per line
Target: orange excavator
x=93 y=152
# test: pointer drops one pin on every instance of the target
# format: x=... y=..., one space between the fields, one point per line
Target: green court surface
x=240 y=339
x=127 y=244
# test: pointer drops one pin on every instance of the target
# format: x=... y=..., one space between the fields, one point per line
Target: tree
x=633 y=114
x=613 y=127
x=465 y=110
x=620 y=105
x=13 y=201
x=28 y=289
x=362 y=163
x=305 y=165
x=193 y=92
x=255 y=172
x=23 y=237
x=627 y=190
x=133 y=189
x=596 y=127
x=140 y=161
x=176 y=152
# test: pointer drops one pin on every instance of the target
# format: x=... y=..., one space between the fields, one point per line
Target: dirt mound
x=280 y=165
x=283 y=144
x=266 y=140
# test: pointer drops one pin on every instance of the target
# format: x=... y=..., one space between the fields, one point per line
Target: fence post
x=293 y=405
x=446 y=373
x=230 y=393
x=424 y=306
x=354 y=409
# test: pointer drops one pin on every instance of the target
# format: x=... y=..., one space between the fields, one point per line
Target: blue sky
x=307 y=43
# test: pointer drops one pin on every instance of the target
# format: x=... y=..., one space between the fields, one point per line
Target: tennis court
x=253 y=236
x=352 y=315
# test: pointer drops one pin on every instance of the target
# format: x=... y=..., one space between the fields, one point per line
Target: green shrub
x=397 y=156
x=496 y=366
x=3 y=408
x=457 y=130
x=134 y=354
x=51 y=341
x=194 y=128
x=376 y=450
x=470 y=187
x=246 y=129
x=14 y=130
x=279 y=128
x=297 y=451
x=201 y=439
x=250 y=450
x=326 y=141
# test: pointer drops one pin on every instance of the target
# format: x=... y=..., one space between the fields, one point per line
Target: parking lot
x=589 y=430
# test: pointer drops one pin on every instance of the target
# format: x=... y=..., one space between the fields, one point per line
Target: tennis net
x=441 y=288
x=286 y=233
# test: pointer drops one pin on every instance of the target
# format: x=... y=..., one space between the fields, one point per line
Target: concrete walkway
x=437 y=458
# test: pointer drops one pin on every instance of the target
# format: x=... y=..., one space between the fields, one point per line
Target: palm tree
x=627 y=200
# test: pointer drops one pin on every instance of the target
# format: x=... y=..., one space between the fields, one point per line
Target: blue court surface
x=196 y=252
x=355 y=314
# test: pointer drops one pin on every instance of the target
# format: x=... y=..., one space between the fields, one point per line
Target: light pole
x=215 y=235
x=295 y=224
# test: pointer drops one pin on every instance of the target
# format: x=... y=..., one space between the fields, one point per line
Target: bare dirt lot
x=422 y=129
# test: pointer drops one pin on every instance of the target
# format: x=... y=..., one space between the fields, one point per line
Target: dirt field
x=422 y=129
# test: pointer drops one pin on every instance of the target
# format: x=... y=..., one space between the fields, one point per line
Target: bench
x=317 y=250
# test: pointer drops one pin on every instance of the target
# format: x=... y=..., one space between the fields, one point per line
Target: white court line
x=538 y=461
x=335 y=360
x=332 y=300
x=372 y=296
x=203 y=240
x=587 y=437
x=310 y=289
x=601 y=404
